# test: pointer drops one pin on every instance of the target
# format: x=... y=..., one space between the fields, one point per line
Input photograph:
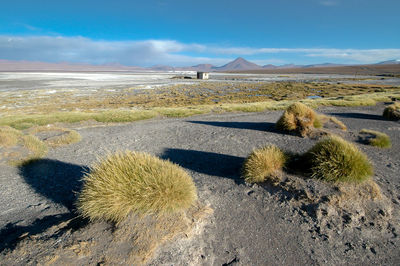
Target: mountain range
x=239 y=64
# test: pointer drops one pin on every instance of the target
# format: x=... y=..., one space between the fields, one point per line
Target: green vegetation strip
x=24 y=121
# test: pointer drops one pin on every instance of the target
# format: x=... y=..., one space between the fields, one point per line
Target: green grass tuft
x=263 y=164
x=120 y=116
x=298 y=118
x=392 y=112
x=181 y=111
x=133 y=182
x=334 y=159
x=377 y=139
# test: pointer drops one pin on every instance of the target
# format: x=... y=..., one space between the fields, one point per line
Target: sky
x=183 y=33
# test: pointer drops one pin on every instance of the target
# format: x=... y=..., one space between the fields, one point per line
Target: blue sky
x=181 y=33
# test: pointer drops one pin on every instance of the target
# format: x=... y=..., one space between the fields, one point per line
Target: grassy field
x=25 y=109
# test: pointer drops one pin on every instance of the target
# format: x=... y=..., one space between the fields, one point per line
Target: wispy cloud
x=170 y=52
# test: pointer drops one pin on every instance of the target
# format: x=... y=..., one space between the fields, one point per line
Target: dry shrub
x=298 y=118
x=377 y=139
x=264 y=163
x=63 y=136
x=334 y=159
x=134 y=182
x=392 y=112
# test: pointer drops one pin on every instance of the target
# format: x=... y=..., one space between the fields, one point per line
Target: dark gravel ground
x=251 y=224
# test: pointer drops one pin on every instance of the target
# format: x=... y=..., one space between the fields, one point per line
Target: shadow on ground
x=56 y=180
x=12 y=233
x=359 y=116
x=209 y=163
x=265 y=126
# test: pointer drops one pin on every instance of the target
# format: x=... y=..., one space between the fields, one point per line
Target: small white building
x=202 y=75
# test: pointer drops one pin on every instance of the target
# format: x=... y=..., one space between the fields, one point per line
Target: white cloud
x=169 y=52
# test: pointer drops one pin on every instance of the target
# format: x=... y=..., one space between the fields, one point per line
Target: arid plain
x=209 y=128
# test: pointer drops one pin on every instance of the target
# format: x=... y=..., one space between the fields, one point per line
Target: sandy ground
x=251 y=224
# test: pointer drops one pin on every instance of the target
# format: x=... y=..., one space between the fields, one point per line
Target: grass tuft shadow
x=12 y=233
x=359 y=116
x=264 y=126
x=208 y=163
x=56 y=180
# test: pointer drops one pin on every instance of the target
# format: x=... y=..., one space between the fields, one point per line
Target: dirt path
x=251 y=225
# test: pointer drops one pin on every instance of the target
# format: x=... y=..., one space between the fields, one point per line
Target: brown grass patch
x=297 y=118
x=392 y=112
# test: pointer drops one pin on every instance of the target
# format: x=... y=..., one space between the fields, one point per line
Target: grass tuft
x=264 y=163
x=377 y=139
x=35 y=145
x=134 y=182
x=392 y=112
x=334 y=159
x=298 y=118
x=9 y=136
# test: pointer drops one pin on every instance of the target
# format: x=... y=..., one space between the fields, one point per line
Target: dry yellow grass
x=133 y=182
x=17 y=147
x=63 y=136
x=35 y=145
x=334 y=159
x=264 y=164
x=9 y=136
x=297 y=118
x=39 y=114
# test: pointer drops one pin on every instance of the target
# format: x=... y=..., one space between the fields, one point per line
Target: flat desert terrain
x=250 y=224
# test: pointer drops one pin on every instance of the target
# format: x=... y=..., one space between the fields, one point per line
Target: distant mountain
x=162 y=68
x=238 y=64
x=269 y=66
x=288 y=66
x=390 y=62
x=323 y=65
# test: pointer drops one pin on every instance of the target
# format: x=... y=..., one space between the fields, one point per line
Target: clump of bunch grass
x=264 y=164
x=64 y=136
x=377 y=139
x=35 y=145
x=392 y=112
x=26 y=146
x=9 y=136
x=134 y=182
x=298 y=118
x=334 y=159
